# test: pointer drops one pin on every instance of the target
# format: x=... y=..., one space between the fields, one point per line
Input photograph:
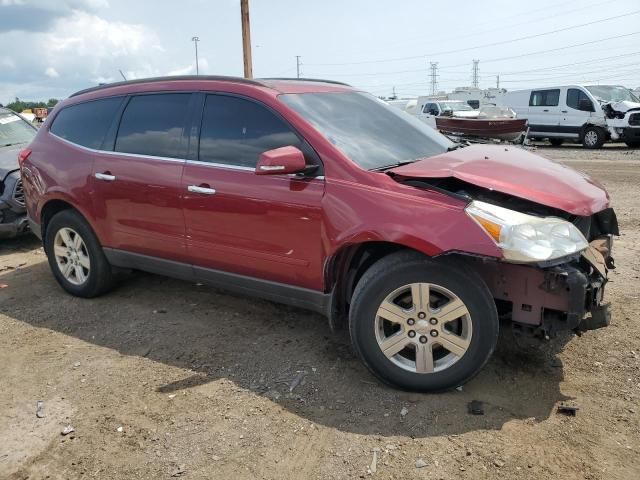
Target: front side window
x=577 y=100
x=367 y=130
x=153 y=125
x=86 y=123
x=14 y=130
x=236 y=131
x=544 y=98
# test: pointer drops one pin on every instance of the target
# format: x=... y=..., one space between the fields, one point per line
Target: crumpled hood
x=517 y=172
x=9 y=159
x=624 y=106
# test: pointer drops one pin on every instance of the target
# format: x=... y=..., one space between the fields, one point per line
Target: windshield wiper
x=9 y=144
x=393 y=165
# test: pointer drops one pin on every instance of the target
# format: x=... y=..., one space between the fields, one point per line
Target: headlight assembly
x=524 y=238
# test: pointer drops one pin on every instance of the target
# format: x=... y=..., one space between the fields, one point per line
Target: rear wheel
x=593 y=137
x=76 y=257
x=422 y=325
x=556 y=142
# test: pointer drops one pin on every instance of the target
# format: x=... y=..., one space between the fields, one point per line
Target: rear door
x=136 y=191
x=262 y=226
x=544 y=111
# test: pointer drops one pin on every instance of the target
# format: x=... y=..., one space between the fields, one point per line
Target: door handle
x=564 y=111
x=107 y=177
x=201 y=190
x=545 y=110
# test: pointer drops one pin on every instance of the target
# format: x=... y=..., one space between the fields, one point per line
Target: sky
x=50 y=49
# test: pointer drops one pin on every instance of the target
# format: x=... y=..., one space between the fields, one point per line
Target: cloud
x=38 y=15
x=51 y=73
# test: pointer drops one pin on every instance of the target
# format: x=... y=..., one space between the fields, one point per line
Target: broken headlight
x=525 y=238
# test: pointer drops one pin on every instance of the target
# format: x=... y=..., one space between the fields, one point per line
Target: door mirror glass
x=281 y=160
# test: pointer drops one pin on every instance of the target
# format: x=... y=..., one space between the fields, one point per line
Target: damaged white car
x=587 y=114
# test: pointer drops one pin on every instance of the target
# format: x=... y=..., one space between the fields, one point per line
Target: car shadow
x=283 y=353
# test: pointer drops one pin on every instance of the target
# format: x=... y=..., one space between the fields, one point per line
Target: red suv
x=314 y=194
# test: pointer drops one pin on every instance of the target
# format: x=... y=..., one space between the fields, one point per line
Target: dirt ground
x=166 y=379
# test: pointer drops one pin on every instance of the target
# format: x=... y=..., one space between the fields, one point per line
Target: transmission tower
x=475 y=78
x=434 y=78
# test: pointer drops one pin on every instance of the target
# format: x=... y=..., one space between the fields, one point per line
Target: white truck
x=587 y=114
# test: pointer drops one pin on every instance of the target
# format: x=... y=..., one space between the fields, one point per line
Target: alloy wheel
x=423 y=328
x=72 y=256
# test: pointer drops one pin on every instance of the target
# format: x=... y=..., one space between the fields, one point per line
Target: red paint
x=279 y=227
x=517 y=172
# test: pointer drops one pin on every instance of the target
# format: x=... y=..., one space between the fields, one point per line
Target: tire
x=633 y=144
x=369 y=330
x=89 y=273
x=593 y=137
x=556 y=142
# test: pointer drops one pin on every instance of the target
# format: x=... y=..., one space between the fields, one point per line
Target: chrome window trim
x=113 y=153
x=167 y=159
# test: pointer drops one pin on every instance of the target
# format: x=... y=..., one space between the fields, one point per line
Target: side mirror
x=585 y=105
x=281 y=160
x=433 y=111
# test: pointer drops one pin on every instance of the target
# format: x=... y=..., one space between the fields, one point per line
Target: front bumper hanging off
x=543 y=301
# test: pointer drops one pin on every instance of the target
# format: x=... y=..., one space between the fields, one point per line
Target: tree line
x=19 y=105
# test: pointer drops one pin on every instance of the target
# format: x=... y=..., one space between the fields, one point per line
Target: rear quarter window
x=87 y=123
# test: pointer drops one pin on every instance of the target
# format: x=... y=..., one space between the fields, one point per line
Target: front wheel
x=421 y=324
x=594 y=137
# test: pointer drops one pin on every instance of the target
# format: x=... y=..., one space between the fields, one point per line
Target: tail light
x=23 y=155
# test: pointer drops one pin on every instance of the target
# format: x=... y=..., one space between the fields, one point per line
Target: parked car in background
x=317 y=195
x=15 y=133
x=587 y=114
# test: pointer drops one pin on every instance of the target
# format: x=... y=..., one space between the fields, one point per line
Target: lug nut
x=412 y=333
x=411 y=321
x=421 y=315
x=433 y=321
x=434 y=333
x=423 y=339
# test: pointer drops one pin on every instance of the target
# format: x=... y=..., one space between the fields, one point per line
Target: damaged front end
x=541 y=298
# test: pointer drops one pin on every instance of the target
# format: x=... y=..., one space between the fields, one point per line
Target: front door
x=137 y=187
x=577 y=112
x=262 y=226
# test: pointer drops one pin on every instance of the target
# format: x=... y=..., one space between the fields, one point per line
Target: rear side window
x=544 y=98
x=236 y=131
x=86 y=123
x=153 y=125
x=575 y=96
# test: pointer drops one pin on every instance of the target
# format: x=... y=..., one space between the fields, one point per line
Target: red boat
x=501 y=128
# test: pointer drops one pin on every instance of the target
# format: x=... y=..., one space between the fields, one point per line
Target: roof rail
x=307 y=80
x=169 y=78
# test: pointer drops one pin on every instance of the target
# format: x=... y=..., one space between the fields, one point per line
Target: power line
x=502 y=42
x=566 y=47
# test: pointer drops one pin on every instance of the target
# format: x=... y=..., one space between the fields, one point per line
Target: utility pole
x=474 y=80
x=393 y=95
x=246 y=38
x=434 y=77
x=498 y=82
x=298 y=66
x=195 y=41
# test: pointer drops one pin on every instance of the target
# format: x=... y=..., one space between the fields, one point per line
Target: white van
x=590 y=114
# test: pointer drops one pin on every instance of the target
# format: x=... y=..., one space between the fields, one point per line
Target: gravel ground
x=166 y=379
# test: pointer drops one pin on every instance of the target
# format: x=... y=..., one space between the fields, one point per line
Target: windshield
x=609 y=93
x=455 y=106
x=370 y=132
x=14 y=130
